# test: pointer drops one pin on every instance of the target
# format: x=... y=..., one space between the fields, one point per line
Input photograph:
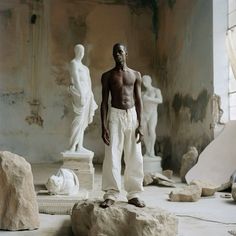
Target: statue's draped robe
x=84 y=115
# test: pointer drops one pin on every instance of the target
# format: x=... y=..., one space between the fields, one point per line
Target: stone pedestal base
x=152 y=164
x=81 y=164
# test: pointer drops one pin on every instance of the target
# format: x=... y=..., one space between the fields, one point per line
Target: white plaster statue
x=65 y=182
x=84 y=104
x=151 y=98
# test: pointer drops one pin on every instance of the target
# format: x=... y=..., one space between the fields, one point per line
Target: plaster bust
x=151 y=97
x=65 y=182
x=84 y=105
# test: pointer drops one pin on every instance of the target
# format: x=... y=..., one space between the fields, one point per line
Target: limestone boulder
x=189 y=159
x=121 y=219
x=191 y=193
x=208 y=189
x=18 y=204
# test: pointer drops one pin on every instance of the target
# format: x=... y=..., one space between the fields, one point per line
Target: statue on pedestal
x=84 y=104
x=151 y=98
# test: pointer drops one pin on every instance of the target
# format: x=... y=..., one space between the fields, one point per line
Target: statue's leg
x=152 y=133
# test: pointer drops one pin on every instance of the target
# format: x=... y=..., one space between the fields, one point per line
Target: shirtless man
x=121 y=130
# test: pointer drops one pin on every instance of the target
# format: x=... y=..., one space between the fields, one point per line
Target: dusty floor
x=209 y=216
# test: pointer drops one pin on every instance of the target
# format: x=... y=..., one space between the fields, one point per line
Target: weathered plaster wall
x=36 y=110
x=221 y=63
x=185 y=75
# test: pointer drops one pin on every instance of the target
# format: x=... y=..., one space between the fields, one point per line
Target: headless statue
x=84 y=104
x=151 y=98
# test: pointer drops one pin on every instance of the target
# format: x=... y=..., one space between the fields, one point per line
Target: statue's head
x=119 y=53
x=147 y=81
x=79 y=51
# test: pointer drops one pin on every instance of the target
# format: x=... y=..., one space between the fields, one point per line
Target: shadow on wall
x=197 y=107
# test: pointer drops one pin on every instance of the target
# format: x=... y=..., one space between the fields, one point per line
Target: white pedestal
x=152 y=164
x=81 y=163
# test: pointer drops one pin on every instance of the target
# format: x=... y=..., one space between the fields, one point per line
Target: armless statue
x=84 y=105
x=151 y=98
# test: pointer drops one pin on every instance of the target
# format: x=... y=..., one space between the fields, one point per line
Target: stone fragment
x=217 y=161
x=18 y=204
x=208 y=189
x=191 y=193
x=121 y=219
x=233 y=192
x=168 y=173
x=165 y=183
x=147 y=179
x=157 y=179
x=189 y=159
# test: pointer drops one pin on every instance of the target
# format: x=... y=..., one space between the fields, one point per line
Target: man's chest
x=122 y=79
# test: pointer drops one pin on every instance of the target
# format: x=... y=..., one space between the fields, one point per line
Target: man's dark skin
x=124 y=85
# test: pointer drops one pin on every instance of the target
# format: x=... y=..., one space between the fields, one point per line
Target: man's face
x=119 y=54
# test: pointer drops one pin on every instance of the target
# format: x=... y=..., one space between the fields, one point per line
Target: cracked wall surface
x=185 y=76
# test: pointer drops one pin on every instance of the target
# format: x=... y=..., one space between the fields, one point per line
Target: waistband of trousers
x=122 y=111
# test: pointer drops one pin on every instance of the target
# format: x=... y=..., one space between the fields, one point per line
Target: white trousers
x=122 y=126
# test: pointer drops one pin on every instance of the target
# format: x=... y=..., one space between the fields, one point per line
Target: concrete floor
x=209 y=216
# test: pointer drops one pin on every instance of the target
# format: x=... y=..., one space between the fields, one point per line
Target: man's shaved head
x=117 y=45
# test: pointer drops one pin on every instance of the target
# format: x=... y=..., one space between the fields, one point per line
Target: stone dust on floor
x=208 y=216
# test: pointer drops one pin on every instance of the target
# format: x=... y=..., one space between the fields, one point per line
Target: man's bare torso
x=121 y=86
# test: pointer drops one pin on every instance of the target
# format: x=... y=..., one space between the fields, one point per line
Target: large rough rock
x=189 y=159
x=121 y=219
x=191 y=193
x=18 y=205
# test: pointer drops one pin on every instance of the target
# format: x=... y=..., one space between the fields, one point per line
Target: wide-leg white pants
x=122 y=126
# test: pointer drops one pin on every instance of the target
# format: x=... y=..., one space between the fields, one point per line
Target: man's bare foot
x=136 y=202
x=107 y=203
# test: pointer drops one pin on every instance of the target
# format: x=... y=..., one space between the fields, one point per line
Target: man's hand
x=106 y=136
x=139 y=134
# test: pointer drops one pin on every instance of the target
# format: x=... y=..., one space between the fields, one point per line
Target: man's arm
x=138 y=107
x=104 y=109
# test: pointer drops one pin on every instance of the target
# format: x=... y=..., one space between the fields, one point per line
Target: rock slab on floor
x=191 y=193
x=18 y=204
x=217 y=161
x=121 y=219
x=157 y=179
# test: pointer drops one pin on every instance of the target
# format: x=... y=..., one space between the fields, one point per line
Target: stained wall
x=36 y=43
x=171 y=41
x=185 y=75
